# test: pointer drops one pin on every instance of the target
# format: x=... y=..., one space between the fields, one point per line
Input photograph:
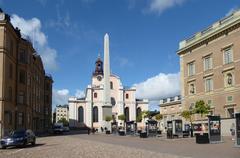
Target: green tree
x=159 y=117
x=201 y=108
x=122 y=117
x=146 y=114
x=63 y=121
x=108 y=118
x=139 y=118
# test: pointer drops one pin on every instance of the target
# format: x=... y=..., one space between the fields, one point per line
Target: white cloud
x=160 y=6
x=158 y=87
x=31 y=29
x=60 y=97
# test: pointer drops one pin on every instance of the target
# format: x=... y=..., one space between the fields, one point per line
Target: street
x=101 y=145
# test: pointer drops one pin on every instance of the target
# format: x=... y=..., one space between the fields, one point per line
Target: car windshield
x=57 y=126
x=16 y=134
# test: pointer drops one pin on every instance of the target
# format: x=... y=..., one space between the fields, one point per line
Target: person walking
x=232 y=130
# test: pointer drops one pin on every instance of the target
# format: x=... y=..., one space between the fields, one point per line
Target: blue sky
x=144 y=37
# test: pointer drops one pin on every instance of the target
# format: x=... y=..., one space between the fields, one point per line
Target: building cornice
x=218 y=29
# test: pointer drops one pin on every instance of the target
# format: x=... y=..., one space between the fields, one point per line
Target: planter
x=143 y=135
x=202 y=138
x=121 y=133
x=108 y=132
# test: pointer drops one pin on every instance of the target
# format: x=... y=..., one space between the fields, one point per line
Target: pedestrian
x=88 y=131
x=232 y=130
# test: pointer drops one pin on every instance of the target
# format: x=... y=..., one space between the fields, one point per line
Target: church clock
x=99 y=78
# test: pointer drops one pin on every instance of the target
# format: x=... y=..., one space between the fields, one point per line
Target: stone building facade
x=210 y=65
x=25 y=89
x=171 y=109
x=62 y=111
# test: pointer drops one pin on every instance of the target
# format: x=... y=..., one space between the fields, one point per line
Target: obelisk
x=107 y=107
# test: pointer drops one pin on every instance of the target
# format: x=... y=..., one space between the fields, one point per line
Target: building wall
x=213 y=44
x=22 y=79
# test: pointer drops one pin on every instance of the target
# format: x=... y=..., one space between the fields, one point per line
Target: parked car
x=66 y=129
x=58 y=128
x=18 y=138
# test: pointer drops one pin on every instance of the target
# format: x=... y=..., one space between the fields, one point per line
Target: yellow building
x=210 y=64
x=25 y=89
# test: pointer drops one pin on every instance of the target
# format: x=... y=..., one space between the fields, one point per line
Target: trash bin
x=202 y=138
x=143 y=135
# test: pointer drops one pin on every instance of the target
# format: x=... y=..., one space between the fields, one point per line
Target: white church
x=106 y=96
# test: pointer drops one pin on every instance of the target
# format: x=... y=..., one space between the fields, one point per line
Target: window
x=20 y=118
x=95 y=114
x=9 y=93
x=191 y=69
x=21 y=97
x=23 y=57
x=113 y=101
x=10 y=75
x=127 y=96
x=209 y=103
x=95 y=95
x=8 y=117
x=126 y=113
x=229 y=99
x=138 y=112
x=111 y=85
x=192 y=106
x=208 y=85
x=192 y=88
x=11 y=47
x=80 y=114
x=207 y=63
x=228 y=56
x=22 y=77
x=230 y=112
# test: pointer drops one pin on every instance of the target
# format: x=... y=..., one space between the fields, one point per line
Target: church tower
x=98 y=67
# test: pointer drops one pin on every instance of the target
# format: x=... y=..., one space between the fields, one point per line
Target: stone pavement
x=106 y=146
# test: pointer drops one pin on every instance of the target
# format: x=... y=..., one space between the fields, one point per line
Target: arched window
x=126 y=113
x=80 y=114
x=113 y=101
x=95 y=114
x=95 y=95
x=111 y=85
x=138 y=112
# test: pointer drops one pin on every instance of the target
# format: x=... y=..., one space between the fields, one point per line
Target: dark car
x=18 y=138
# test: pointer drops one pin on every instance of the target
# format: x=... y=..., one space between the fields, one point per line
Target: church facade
x=91 y=110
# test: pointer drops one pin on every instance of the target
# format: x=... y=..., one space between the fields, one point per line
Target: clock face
x=99 y=78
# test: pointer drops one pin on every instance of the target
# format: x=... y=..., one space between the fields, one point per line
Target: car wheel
x=34 y=142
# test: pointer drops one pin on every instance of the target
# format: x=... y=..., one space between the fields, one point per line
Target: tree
x=187 y=114
x=63 y=121
x=122 y=117
x=146 y=114
x=201 y=108
x=159 y=117
x=108 y=118
x=139 y=118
